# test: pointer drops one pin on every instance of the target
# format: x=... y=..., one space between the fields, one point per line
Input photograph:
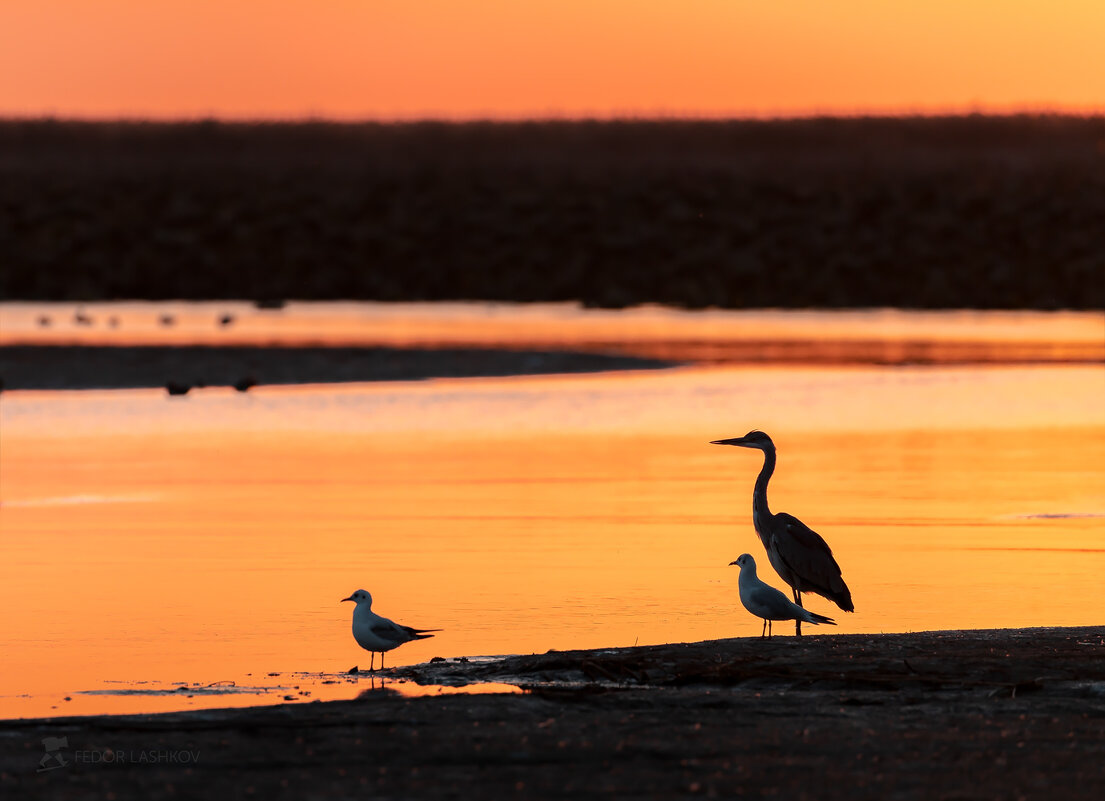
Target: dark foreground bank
x=959 y=212
x=980 y=714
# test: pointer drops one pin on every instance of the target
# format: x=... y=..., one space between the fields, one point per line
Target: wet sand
x=973 y=714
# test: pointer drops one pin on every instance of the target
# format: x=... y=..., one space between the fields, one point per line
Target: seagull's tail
x=813 y=617
x=420 y=634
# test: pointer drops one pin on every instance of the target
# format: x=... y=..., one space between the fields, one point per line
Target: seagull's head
x=753 y=439
x=744 y=560
x=360 y=597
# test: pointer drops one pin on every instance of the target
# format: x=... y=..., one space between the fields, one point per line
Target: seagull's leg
x=769 y=629
x=372 y=663
x=763 y=631
x=381 y=660
x=797 y=623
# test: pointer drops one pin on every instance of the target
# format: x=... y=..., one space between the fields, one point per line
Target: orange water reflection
x=144 y=697
x=872 y=336
x=202 y=552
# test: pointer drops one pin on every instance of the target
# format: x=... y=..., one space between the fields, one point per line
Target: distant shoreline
x=994 y=714
x=183 y=368
x=55 y=346
x=180 y=369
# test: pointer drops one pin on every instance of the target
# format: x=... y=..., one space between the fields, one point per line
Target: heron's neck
x=759 y=494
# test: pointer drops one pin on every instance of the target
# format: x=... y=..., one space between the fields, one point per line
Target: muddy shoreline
x=972 y=714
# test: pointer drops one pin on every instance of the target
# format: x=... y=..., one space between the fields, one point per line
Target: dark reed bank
x=980 y=212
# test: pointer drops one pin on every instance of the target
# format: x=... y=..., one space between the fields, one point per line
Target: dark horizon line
x=1028 y=112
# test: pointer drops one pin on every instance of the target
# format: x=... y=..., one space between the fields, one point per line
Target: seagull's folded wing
x=769 y=601
x=386 y=630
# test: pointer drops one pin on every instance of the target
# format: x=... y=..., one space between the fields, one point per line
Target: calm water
x=151 y=542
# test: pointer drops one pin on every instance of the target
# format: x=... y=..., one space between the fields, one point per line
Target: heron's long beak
x=350 y=598
x=734 y=441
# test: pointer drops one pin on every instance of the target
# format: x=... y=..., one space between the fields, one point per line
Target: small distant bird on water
x=765 y=601
x=797 y=552
x=378 y=634
x=176 y=388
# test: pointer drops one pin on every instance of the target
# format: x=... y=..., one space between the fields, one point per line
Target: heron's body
x=798 y=553
x=764 y=601
x=378 y=634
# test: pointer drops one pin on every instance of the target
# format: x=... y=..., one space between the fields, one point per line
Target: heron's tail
x=838 y=593
x=813 y=617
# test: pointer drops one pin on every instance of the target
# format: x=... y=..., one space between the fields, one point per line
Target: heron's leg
x=797 y=623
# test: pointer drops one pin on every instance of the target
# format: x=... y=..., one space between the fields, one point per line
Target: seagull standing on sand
x=765 y=601
x=798 y=553
x=378 y=634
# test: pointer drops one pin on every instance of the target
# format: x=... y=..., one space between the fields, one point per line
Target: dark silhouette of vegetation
x=1002 y=212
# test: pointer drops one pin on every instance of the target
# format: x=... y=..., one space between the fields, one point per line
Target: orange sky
x=513 y=58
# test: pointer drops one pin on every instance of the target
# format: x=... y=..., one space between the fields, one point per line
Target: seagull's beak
x=733 y=441
x=350 y=598
x=734 y=561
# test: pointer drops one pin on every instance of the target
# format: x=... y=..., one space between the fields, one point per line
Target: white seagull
x=765 y=601
x=378 y=634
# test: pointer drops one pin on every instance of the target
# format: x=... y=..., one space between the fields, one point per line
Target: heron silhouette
x=798 y=553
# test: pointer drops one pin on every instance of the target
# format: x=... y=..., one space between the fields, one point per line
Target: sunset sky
x=385 y=59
